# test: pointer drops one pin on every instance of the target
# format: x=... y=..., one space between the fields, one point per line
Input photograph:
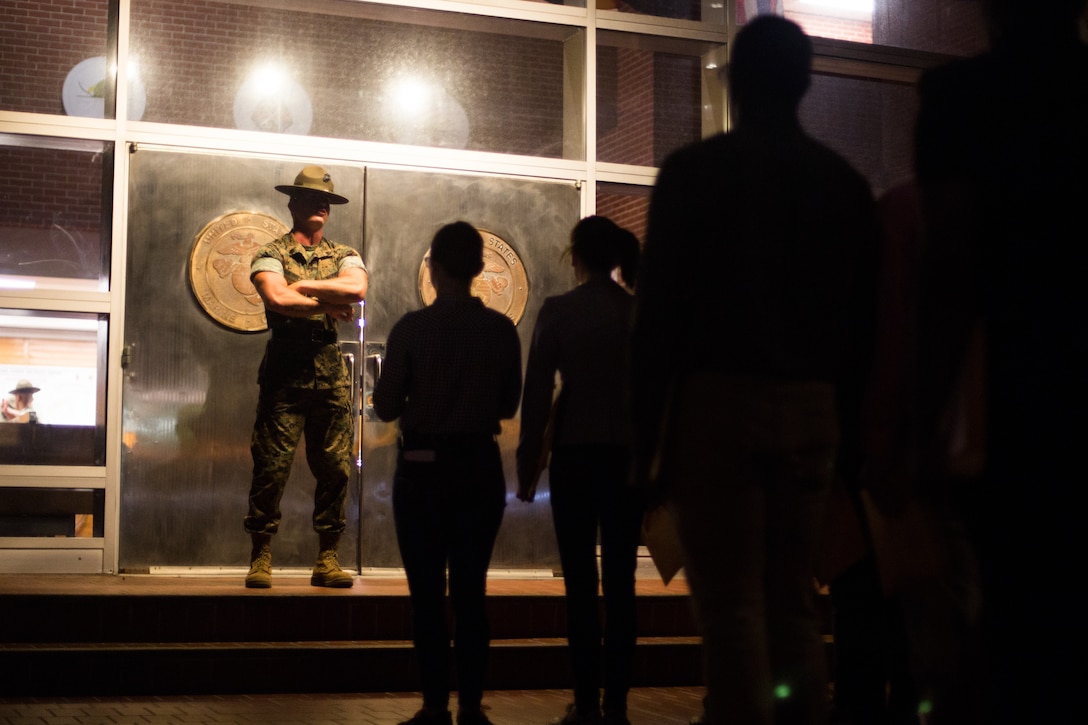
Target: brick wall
x=868 y=122
x=195 y=55
x=628 y=206
x=955 y=27
x=648 y=105
x=44 y=187
x=51 y=216
x=630 y=100
x=677 y=103
x=41 y=42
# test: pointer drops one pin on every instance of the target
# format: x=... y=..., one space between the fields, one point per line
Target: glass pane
x=707 y=11
x=358 y=71
x=953 y=27
x=52 y=511
x=54 y=58
x=54 y=218
x=52 y=388
x=650 y=96
x=871 y=123
x=626 y=204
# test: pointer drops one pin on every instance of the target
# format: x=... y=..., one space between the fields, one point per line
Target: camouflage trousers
x=283 y=418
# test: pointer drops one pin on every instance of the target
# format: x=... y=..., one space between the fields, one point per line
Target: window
x=52 y=382
x=53 y=512
x=869 y=122
x=707 y=11
x=55 y=217
x=626 y=204
x=951 y=27
x=53 y=53
x=654 y=95
x=357 y=71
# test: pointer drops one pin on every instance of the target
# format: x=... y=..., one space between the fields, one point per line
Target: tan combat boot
x=327 y=571
x=260 y=563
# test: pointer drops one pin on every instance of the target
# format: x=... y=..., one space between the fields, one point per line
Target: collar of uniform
x=294 y=249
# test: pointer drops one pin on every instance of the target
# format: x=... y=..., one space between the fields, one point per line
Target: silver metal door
x=190 y=389
x=403 y=211
x=190 y=380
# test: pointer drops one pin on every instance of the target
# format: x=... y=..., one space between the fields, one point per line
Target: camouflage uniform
x=305 y=390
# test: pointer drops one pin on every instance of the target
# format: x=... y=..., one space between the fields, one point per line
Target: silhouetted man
x=753 y=319
x=1003 y=169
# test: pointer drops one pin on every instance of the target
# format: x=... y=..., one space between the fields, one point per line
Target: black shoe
x=472 y=716
x=574 y=716
x=429 y=717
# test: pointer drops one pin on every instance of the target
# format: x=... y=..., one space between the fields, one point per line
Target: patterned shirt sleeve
x=266 y=259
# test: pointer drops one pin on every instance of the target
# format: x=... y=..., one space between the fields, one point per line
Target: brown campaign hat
x=313 y=178
x=24 y=386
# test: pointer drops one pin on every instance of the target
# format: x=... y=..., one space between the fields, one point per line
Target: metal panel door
x=190 y=383
x=403 y=211
x=190 y=388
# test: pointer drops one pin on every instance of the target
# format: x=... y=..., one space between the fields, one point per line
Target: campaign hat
x=313 y=178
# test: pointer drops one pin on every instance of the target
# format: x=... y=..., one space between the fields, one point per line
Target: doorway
x=191 y=354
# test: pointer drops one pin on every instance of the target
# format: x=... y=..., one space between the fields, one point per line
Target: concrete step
x=154 y=635
x=209 y=668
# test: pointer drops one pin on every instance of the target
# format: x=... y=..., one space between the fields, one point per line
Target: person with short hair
x=755 y=308
x=452 y=372
x=308 y=284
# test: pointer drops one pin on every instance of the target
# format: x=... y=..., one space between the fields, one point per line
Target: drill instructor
x=308 y=284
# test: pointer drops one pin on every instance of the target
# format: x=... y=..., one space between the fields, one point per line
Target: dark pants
x=283 y=417
x=749 y=463
x=448 y=503
x=589 y=491
x=872 y=668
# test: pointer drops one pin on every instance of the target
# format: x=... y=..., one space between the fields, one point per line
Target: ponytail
x=602 y=246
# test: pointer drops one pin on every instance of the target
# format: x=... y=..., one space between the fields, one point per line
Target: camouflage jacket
x=302 y=362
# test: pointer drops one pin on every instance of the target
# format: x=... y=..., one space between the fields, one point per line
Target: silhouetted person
x=452 y=373
x=584 y=335
x=1003 y=168
x=874 y=682
x=754 y=312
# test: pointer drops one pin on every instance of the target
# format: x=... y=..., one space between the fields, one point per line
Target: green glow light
x=782 y=692
x=925 y=707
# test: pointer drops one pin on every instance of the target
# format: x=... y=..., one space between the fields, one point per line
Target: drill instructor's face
x=309 y=211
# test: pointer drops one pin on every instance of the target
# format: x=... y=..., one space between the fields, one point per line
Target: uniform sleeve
x=391 y=391
x=348 y=258
x=266 y=259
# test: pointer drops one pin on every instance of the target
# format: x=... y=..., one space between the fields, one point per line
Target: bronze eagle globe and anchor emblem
x=503 y=285
x=219 y=268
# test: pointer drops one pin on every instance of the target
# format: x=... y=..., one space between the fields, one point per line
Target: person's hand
x=342 y=313
x=526 y=492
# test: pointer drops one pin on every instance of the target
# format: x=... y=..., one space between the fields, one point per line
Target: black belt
x=314 y=335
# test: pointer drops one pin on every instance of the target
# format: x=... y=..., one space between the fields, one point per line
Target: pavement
x=646 y=706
